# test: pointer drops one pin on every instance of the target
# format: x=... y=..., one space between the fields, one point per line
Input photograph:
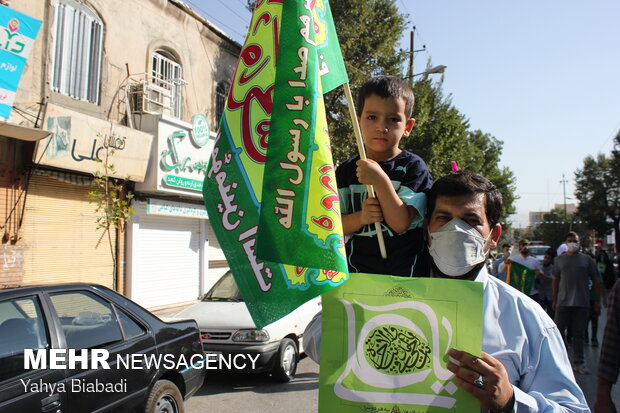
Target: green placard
x=385 y=341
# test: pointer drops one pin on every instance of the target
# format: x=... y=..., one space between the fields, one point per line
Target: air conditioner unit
x=147 y=97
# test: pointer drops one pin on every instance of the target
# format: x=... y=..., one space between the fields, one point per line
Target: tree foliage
x=597 y=187
x=556 y=225
x=112 y=202
x=368 y=32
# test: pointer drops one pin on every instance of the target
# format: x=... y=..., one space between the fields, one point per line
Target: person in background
x=505 y=254
x=609 y=361
x=524 y=258
x=545 y=286
x=571 y=296
x=561 y=249
x=605 y=267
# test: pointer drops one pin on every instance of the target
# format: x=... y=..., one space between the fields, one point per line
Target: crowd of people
x=447 y=229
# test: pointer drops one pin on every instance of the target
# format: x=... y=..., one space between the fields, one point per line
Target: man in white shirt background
x=524 y=258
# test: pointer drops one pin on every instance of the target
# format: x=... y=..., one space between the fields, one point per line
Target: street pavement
x=226 y=392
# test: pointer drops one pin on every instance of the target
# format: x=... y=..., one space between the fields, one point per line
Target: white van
x=227 y=331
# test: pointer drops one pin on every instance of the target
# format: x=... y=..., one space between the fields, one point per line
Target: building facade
x=135 y=99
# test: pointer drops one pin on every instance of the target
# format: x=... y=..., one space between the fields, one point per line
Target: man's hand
x=369 y=172
x=371 y=212
x=496 y=392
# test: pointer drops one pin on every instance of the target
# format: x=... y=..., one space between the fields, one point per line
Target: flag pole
x=362 y=151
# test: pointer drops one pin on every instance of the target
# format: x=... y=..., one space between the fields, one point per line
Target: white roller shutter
x=167 y=254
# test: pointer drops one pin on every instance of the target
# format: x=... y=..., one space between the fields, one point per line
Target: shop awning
x=23 y=133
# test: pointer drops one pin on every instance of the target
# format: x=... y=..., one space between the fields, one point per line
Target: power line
x=211 y=17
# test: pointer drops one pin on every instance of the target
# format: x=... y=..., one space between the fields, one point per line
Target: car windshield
x=224 y=290
x=538 y=249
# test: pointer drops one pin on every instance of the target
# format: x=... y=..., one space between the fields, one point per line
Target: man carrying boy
x=400 y=179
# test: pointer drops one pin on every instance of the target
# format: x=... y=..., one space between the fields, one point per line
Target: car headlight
x=251 y=335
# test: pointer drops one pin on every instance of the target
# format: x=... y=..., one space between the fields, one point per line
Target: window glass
x=22 y=326
x=77 y=51
x=167 y=77
x=131 y=328
x=87 y=320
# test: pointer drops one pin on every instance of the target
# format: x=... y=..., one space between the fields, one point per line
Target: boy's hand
x=371 y=212
x=370 y=173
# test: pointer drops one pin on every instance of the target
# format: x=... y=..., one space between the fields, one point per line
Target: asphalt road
x=233 y=393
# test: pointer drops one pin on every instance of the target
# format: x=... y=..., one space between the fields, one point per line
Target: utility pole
x=411 y=51
x=563 y=182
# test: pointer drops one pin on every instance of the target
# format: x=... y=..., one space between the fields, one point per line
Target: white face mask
x=457 y=247
x=573 y=246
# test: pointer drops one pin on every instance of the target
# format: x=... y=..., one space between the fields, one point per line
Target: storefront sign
x=83 y=143
x=17 y=35
x=177 y=209
x=180 y=159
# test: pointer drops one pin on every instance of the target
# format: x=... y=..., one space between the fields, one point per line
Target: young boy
x=400 y=178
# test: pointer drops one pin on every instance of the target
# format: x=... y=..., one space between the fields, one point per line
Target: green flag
x=300 y=220
x=520 y=277
x=385 y=341
x=233 y=188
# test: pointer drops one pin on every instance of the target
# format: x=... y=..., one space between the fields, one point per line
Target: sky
x=541 y=76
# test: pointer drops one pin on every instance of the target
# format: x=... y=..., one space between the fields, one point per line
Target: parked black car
x=147 y=357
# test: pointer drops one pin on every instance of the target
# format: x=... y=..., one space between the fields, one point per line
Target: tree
x=442 y=135
x=597 y=187
x=555 y=226
x=368 y=32
x=112 y=203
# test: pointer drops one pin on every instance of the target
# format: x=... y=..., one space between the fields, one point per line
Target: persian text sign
x=80 y=143
x=300 y=203
x=385 y=342
x=233 y=186
x=17 y=35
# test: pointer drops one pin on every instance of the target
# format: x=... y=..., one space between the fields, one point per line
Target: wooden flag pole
x=362 y=151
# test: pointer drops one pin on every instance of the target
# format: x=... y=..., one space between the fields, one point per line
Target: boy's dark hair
x=466 y=182
x=550 y=252
x=386 y=87
x=571 y=234
x=506 y=246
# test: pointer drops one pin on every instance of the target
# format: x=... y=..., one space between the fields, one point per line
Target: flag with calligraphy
x=520 y=277
x=300 y=204
x=17 y=34
x=385 y=340
x=294 y=38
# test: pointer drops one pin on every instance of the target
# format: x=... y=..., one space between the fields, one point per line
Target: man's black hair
x=386 y=87
x=571 y=234
x=466 y=182
x=506 y=246
x=550 y=252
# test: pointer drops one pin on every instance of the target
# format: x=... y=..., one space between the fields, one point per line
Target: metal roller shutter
x=62 y=242
x=167 y=254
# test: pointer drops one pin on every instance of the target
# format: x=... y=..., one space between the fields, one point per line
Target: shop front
x=173 y=258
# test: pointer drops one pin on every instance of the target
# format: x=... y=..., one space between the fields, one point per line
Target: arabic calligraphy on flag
x=270 y=157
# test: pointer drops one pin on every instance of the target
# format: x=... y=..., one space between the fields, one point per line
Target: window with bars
x=221 y=93
x=77 y=51
x=167 y=74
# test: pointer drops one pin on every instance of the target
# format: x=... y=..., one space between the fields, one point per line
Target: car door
x=90 y=321
x=25 y=323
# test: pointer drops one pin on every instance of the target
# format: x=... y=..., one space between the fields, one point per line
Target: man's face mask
x=573 y=246
x=456 y=248
x=525 y=251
